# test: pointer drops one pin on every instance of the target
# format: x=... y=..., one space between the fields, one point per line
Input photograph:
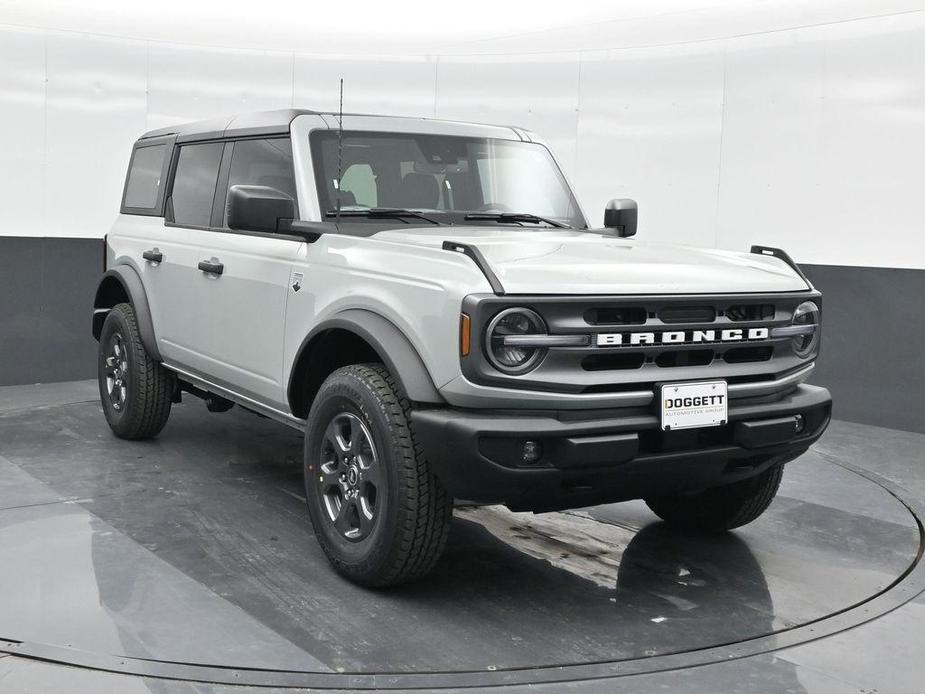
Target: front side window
x=144 y=177
x=262 y=163
x=194 y=183
x=445 y=177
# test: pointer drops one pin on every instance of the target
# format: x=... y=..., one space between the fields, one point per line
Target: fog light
x=800 y=423
x=533 y=451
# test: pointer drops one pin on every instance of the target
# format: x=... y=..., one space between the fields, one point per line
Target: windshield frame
x=317 y=136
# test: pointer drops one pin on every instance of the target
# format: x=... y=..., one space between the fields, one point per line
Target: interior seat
x=347 y=198
x=418 y=191
x=464 y=198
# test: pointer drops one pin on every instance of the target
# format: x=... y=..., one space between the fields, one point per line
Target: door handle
x=154 y=255
x=213 y=267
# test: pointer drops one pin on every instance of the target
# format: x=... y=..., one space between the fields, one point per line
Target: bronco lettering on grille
x=680 y=337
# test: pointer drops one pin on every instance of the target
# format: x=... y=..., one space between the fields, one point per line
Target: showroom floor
x=188 y=564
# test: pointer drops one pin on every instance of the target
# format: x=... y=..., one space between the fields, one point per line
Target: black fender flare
x=131 y=283
x=389 y=342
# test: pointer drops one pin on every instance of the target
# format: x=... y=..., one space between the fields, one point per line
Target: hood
x=561 y=261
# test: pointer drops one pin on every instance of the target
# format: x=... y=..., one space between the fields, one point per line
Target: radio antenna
x=340 y=147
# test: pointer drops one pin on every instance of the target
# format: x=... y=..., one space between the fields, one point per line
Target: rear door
x=237 y=282
x=169 y=279
x=172 y=249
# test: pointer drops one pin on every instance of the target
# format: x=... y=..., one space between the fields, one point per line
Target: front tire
x=136 y=392
x=379 y=514
x=720 y=508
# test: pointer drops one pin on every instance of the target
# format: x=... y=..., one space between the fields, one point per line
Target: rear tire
x=379 y=514
x=720 y=508
x=136 y=392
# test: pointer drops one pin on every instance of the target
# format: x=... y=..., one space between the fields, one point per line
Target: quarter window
x=194 y=183
x=144 y=177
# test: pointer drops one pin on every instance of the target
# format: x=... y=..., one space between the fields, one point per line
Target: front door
x=240 y=314
x=228 y=324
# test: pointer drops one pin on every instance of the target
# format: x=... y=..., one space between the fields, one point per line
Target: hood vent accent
x=479 y=260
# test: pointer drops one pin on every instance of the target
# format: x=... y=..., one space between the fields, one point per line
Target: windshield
x=444 y=177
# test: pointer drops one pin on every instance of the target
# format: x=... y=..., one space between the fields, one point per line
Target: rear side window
x=262 y=163
x=194 y=183
x=143 y=185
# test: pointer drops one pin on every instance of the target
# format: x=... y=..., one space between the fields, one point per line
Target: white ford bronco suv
x=427 y=301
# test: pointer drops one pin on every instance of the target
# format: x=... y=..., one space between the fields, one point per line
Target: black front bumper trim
x=477 y=455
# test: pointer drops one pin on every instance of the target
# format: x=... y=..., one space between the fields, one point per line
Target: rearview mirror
x=620 y=215
x=258 y=208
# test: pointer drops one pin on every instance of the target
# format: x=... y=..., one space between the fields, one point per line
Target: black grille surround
x=603 y=369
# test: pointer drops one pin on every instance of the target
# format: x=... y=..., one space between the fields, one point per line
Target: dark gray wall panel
x=872 y=354
x=46 y=302
x=872 y=346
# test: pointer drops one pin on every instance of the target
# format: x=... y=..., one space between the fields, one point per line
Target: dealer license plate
x=691 y=405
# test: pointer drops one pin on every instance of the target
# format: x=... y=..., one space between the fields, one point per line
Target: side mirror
x=620 y=215
x=258 y=208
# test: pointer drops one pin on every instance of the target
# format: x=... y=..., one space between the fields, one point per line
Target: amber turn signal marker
x=465 y=334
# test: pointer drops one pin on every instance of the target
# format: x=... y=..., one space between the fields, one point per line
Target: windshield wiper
x=382 y=213
x=516 y=217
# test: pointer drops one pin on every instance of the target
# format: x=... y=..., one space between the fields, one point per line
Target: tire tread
x=152 y=385
x=426 y=508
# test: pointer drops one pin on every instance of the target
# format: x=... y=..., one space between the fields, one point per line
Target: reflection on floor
x=196 y=548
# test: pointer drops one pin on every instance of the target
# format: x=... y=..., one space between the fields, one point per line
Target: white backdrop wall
x=810 y=137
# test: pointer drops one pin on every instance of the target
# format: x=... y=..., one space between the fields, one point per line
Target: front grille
x=622 y=361
x=613 y=362
x=750 y=312
x=631 y=315
x=691 y=357
x=687 y=314
x=744 y=355
x=682 y=341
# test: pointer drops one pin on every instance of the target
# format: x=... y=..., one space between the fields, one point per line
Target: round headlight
x=506 y=355
x=806 y=315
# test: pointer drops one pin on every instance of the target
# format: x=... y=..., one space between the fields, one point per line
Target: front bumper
x=603 y=456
